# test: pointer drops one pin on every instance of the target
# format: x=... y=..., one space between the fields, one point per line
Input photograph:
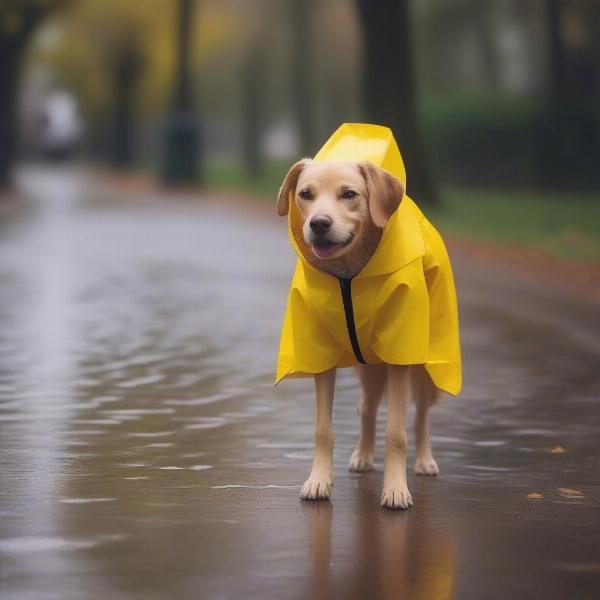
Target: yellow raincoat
x=400 y=309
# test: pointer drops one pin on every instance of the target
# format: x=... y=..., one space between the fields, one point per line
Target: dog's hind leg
x=424 y=394
x=373 y=381
x=319 y=482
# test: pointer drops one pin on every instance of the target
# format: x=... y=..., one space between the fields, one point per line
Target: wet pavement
x=145 y=453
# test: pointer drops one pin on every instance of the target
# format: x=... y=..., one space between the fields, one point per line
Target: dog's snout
x=320 y=224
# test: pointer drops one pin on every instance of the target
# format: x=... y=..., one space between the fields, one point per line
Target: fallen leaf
x=582 y=567
x=570 y=493
x=557 y=450
x=535 y=496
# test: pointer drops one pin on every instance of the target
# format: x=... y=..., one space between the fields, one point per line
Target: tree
x=124 y=64
x=253 y=117
x=18 y=21
x=302 y=39
x=389 y=86
x=570 y=141
x=85 y=47
x=120 y=41
x=102 y=54
x=182 y=137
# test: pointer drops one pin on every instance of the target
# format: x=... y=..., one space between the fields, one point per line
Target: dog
x=341 y=210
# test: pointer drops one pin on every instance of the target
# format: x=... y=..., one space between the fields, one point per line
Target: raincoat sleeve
x=444 y=362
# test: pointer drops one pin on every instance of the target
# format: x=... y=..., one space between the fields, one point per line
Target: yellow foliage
x=557 y=450
x=570 y=493
x=92 y=33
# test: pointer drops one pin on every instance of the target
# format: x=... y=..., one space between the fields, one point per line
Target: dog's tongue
x=324 y=250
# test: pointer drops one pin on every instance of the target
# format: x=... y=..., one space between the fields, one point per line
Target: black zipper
x=346 y=288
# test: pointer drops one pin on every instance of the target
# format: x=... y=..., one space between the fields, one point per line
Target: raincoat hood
x=401 y=242
x=400 y=309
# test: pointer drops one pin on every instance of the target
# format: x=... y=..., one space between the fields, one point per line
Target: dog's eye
x=349 y=194
x=305 y=194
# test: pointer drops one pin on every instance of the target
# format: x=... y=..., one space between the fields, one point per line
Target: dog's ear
x=385 y=192
x=289 y=185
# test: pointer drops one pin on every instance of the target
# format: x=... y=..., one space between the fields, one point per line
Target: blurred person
x=61 y=127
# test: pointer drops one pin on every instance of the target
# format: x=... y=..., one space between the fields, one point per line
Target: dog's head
x=339 y=202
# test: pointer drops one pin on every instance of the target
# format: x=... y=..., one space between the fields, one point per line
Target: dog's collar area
x=346 y=290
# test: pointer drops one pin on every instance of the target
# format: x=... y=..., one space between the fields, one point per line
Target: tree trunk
x=569 y=145
x=183 y=98
x=10 y=59
x=483 y=27
x=253 y=86
x=13 y=44
x=556 y=59
x=301 y=14
x=125 y=76
x=389 y=87
x=182 y=138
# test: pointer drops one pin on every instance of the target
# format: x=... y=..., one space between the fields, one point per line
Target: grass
x=561 y=224
x=231 y=176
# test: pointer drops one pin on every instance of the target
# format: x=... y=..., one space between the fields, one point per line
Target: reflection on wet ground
x=145 y=453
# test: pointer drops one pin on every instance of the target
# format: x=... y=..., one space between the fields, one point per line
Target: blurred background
x=144 y=275
x=501 y=97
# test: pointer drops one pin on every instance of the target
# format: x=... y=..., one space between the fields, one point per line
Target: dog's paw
x=316 y=489
x=426 y=466
x=361 y=462
x=396 y=498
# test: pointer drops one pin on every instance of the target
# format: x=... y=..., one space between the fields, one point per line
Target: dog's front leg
x=318 y=485
x=395 y=491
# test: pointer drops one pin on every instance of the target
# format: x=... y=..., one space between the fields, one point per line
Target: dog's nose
x=320 y=224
